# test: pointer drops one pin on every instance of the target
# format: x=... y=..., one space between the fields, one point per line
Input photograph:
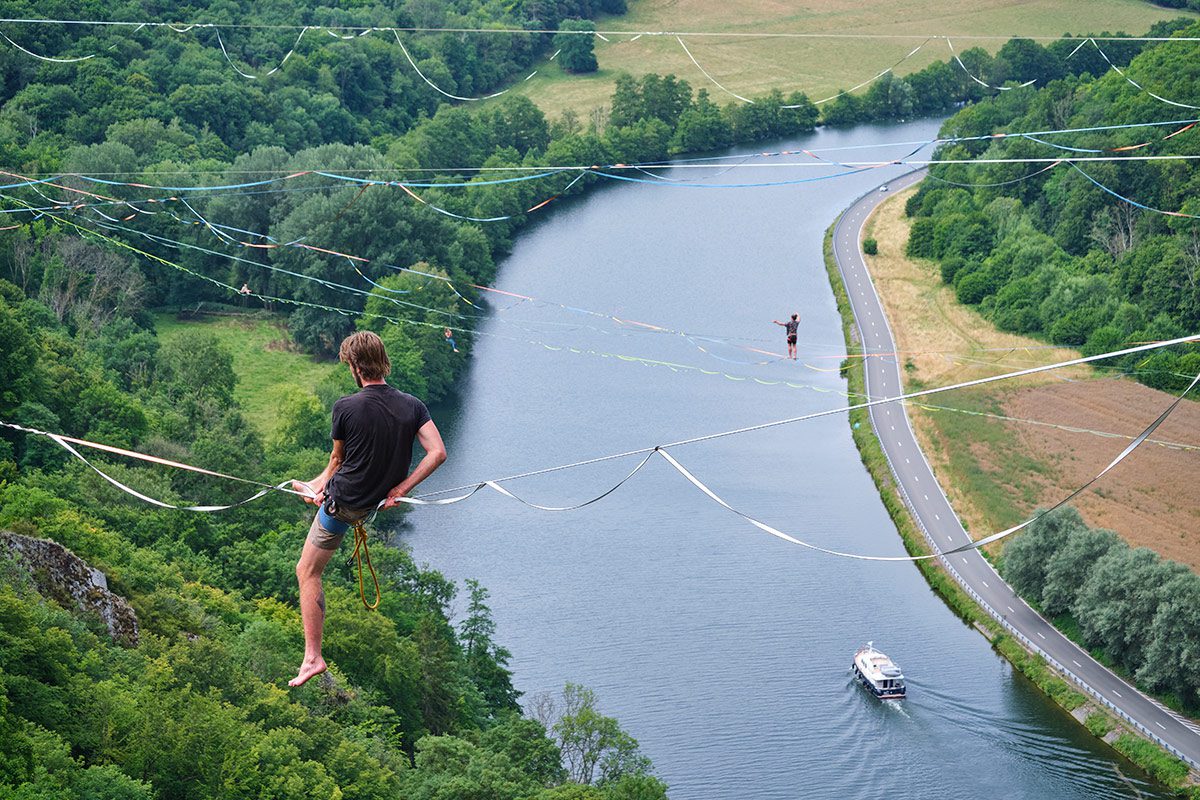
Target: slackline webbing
x=647 y=453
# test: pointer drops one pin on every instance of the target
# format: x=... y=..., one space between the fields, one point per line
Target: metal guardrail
x=1002 y=619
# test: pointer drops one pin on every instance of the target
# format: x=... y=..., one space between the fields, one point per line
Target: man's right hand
x=308 y=493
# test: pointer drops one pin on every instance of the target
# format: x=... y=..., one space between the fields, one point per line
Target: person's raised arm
x=435 y=455
x=777 y=322
x=317 y=484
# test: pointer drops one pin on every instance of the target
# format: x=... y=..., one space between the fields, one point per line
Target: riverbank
x=1170 y=771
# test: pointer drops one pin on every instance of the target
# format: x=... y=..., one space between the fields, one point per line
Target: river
x=723 y=650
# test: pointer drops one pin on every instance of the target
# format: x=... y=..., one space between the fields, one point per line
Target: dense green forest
x=1049 y=252
x=416 y=705
x=1135 y=609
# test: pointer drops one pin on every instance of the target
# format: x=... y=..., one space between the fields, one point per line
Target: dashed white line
x=985 y=583
x=1039 y=633
x=1076 y=663
x=1118 y=694
x=1159 y=724
x=949 y=538
x=1010 y=609
x=937 y=516
x=964 y=561
x=926 y=497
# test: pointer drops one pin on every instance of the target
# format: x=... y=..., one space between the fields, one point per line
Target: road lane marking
x=1010 y=608
x=1039 y=633
x=985 y=583
x=964 y=561
x=1159 y=724
x=926 y=497
x=937 y=516
x=1118 y=694
x=949 y=538
x=1076 y=663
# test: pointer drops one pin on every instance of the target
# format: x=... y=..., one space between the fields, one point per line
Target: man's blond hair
x=364 y=351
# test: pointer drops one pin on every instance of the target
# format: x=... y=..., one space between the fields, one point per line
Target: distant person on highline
x=373 y=433
x=792 y=325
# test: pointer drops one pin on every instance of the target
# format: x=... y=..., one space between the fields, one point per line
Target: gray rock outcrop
x=64 y=577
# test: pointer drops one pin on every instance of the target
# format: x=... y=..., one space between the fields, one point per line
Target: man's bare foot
x=309 y=669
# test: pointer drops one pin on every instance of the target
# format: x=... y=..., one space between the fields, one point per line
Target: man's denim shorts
x=327 y=531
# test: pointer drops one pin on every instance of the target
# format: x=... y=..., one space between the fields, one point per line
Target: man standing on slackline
x=373 y=433
x=791 y=326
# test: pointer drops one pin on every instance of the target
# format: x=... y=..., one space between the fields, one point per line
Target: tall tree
x=576 y=46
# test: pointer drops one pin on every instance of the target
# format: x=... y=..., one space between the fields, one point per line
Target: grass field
x=818 y=66
x=265 y=362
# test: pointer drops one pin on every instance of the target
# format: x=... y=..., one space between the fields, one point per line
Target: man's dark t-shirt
x=791 y=326
x=377 y=426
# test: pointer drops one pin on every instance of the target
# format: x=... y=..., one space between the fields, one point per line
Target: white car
x=883 y=188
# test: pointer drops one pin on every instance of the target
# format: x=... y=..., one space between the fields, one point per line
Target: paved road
x=941 y=525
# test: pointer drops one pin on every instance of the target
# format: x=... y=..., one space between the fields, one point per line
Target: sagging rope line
x=549 y=170
x=1131 y=202
x=270 y=72
x=184 y=27
x=366 y=314
x=1121 y=72
x=661 y=450
x=823 y=100
x=828 y=412
x=659 y=163
x=971 y=545
x=435 y=87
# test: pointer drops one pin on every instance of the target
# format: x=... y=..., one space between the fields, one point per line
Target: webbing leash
x=362 y=551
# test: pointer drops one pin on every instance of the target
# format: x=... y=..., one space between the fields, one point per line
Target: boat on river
x=878 y=673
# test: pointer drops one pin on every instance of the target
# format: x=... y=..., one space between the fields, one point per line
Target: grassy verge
x=264 y=360
x=877 y=465
x=1167 y=769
